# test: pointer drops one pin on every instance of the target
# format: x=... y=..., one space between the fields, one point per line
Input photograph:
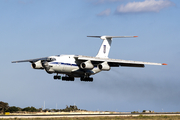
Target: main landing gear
x=67 y=78
x=87 y=79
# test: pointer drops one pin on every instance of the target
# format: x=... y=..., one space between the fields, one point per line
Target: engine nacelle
x=86 y=65
x=104 y=66
x=37 y=65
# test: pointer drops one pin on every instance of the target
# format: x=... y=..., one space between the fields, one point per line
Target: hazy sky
x=40 y=28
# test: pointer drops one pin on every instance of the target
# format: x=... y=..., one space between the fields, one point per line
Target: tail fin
x=106 y=44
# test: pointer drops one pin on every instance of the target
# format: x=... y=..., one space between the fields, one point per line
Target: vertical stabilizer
x=106 y=44
x=105 y=47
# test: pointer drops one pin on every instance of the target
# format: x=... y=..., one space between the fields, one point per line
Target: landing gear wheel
x=68 y=78
x=59 y=77
x=87 y=79
x=55 y=77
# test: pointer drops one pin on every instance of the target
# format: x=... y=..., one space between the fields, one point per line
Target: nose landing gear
x=57 y=77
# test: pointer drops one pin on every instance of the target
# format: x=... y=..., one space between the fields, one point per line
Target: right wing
x=32 y=60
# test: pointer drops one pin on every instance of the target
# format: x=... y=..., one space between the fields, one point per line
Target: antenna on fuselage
x=106 y=44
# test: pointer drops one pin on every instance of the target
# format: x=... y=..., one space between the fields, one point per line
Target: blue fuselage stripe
x=60 y=63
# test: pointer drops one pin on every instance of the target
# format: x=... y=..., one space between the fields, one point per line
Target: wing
x=116 y=62
x=32 y=60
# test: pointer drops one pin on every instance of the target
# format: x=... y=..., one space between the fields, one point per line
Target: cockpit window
x=51 y=59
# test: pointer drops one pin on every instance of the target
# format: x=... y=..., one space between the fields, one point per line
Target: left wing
x=116 y=62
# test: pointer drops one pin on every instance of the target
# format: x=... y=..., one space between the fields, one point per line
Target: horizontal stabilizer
x=110 y=37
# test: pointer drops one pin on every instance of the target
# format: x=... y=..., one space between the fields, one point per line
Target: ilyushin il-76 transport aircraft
x=84 y=66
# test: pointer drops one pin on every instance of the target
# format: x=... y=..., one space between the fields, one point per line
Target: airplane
x=79 y=66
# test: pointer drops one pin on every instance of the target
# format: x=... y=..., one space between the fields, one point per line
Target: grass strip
x=140 y=117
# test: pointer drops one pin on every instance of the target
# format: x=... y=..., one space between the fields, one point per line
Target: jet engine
x=104 y=66
x=86 y=65
x=37 y=65
x=47 y=67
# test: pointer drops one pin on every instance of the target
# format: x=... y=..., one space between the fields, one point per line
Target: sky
x=40 y=28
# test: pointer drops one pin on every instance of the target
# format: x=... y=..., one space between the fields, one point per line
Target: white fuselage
x=67 y=64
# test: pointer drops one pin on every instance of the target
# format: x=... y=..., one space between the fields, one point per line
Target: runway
x=84 y=115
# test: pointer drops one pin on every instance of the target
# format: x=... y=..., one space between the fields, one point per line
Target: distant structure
x=44 y=105
x=147 y=111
